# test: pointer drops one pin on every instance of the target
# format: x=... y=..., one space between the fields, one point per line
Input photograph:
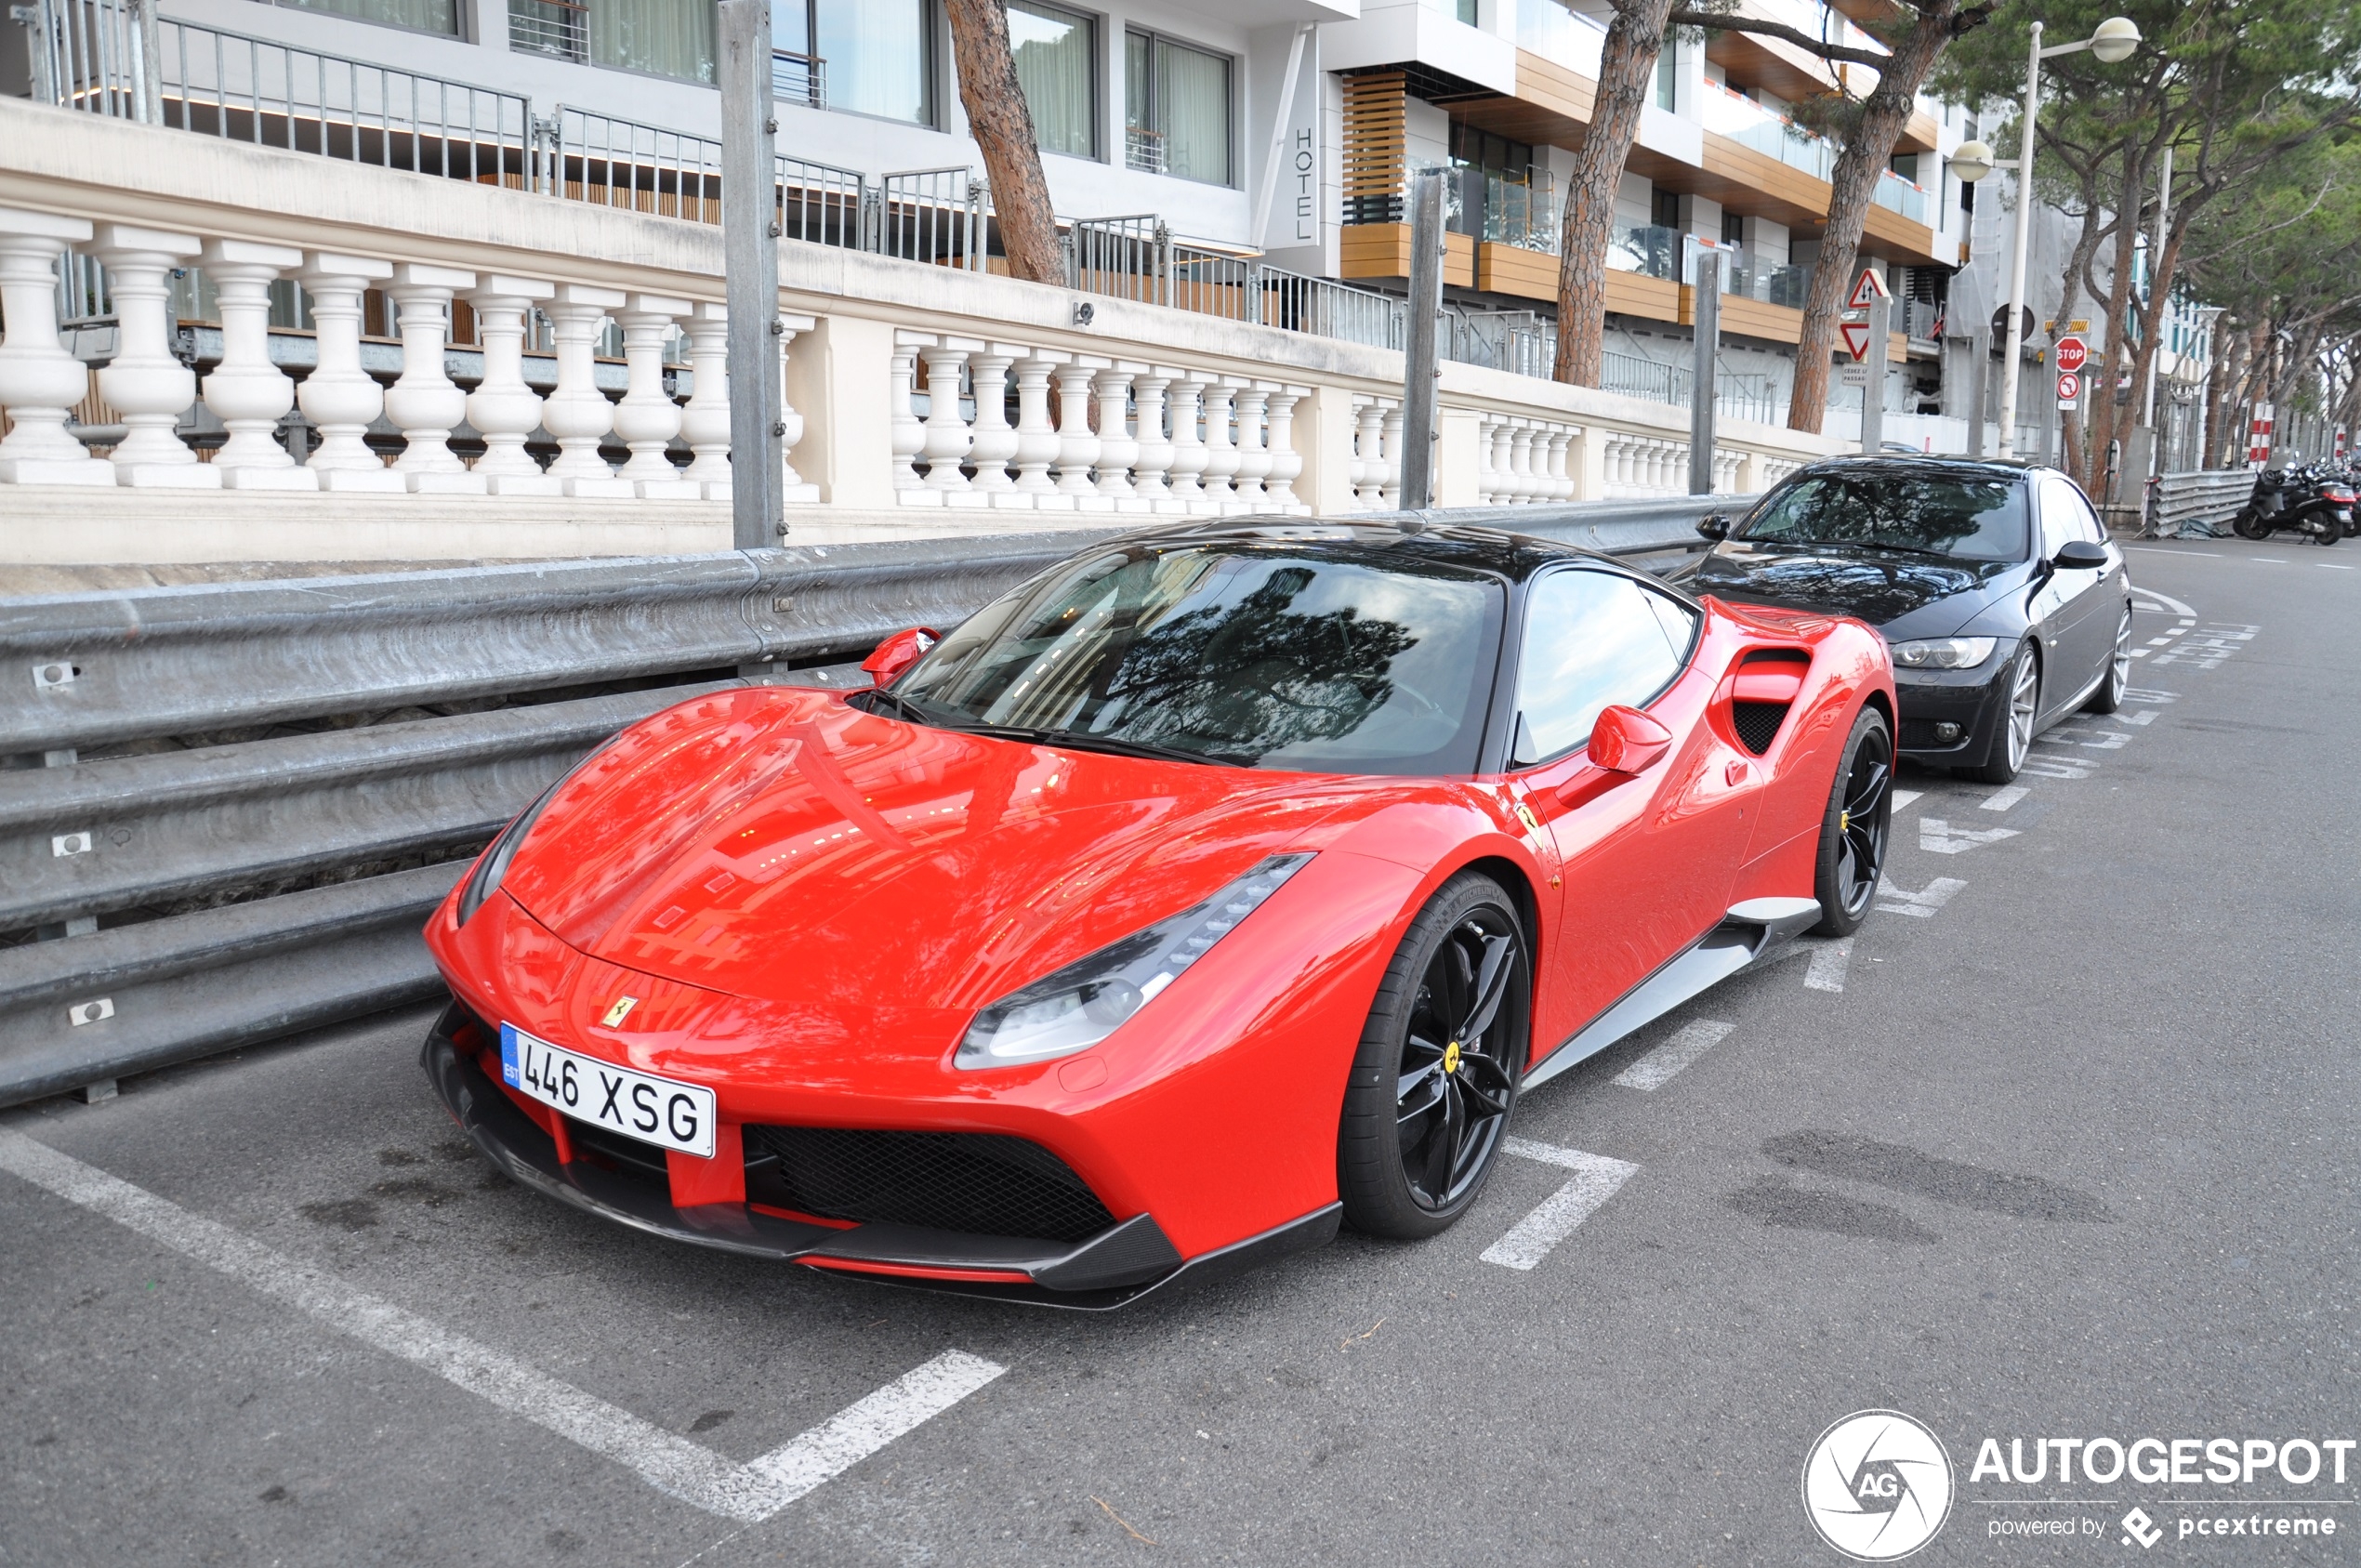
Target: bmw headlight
x=492 y=864
x=1082 y=1004
x=1944 y=652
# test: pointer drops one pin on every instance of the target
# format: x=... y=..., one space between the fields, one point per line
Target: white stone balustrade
x=339 y=398
x=647 y=419
x=502 y=408
x=246 y=391
x=795 y=491
x=425 y=403
x=1522 y=462
x=40 y=383
x=704 y=418
x=146 y=385
x=576 y=412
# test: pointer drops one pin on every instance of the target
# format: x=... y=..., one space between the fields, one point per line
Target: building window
x=1667 y=76
x=872 y=57
x=1733 y=227
x=1057 y=52
x=423 y=16
x=661 y=37
x=1177 y=109
x=1664 y=208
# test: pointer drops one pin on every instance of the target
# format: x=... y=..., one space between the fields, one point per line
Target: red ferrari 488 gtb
x=1219 y=885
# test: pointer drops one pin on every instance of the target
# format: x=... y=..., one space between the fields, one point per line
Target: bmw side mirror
x=898 y=653
x=1626 y=741
x=2081 y=554
x=1713 y=526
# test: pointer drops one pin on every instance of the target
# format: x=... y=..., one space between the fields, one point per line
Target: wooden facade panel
x=1633 y=294
x=1529 y=274
x=1889 y=235
x=1382 y=250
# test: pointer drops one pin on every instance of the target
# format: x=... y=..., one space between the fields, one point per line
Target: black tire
x=2248 y=525
x=2019 y=710
x=2331 y=531
x=1855 y=829
x=2109 y=696
x=1418 y=1051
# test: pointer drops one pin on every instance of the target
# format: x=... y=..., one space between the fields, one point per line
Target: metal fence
x=245 y=888
x=596 y=158
x=939 y=216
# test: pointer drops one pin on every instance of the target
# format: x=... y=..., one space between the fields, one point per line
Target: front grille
x=1917 y=734
x=984 y=1183
x=626 y=1157
x=1758 y=723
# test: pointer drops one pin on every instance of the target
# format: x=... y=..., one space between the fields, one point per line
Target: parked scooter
x=2314 y=501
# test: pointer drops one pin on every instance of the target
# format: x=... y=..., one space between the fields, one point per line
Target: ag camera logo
x=1877 y=1485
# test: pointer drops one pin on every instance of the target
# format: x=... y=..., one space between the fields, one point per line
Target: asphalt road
x=2071 y=1154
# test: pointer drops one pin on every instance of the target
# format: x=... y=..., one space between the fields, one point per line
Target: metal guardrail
x=2197 y=505
x=215 y=833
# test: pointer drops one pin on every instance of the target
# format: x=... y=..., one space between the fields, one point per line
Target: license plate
x=639 y=1105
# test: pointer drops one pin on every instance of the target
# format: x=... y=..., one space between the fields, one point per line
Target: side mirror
x=1626 y=741
x=898 y=653
x=2081 y=554
x=1713 y=526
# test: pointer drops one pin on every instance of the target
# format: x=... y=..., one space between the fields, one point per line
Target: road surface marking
x=1904 y=797
x=1829 y=963
x=2160 y=641
x=1596 y=1177
x=2001 y=799
x=2330 y=566
x=1938 y=836
x=2164 y=601
x=2140 y=652
x=2096 y=739
x=2133 y=717
x=1922 y=903
x=2058 y=768
x=2268 y=560
x=670 y=1463
x=2152 y=549
x=1656 y=1069
x=2145 y=694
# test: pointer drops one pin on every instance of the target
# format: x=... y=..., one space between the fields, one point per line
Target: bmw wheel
x=2109 y=696
x=1855 y=829
x=1435 y=1079
x=2013 y=737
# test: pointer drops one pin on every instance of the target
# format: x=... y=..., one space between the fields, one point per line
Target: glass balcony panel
x=1905 y=196
x=1561 y=37
x=1649 y=249
x=1749 y=124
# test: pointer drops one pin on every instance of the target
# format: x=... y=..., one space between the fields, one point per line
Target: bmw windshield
x=1965 y=516
x=1253 y=654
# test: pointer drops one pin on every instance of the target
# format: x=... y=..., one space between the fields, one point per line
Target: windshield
x=1969 y=516
x=1264 y=655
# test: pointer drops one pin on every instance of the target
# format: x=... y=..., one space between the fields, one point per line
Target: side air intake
x=1768 y=683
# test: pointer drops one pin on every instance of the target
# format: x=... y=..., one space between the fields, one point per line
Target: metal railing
x=939 y=216
x=550 y=27
x=1521 y=342
x=821 y=204
x=1142 y=150
x=1323 y=307
x=799 y=79
x=1127 y=258
x=596 y=158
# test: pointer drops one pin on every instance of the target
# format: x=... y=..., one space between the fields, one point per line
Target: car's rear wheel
x=2012 y=736
x=1854 y=832
x=1435 y=1079
x=2109 y=696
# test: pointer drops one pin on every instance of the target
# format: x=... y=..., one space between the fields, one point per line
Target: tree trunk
x=1626 y=67
x=1853 y=182
x=2152 y=316
x=1002 y=125
x=2086 y=245
x=2109 y=424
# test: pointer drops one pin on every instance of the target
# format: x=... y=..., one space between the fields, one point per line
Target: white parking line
x=1828 y=965
x=1938 y=836
x=2001 y=799
x=1904 y=797
x=2152 y=549
x=1656 y=1069
x=2164 y=600
x=666 y=1461
x=1923 y=904
x=1596 y=1179
x=2330 y=566
x=2268 y=560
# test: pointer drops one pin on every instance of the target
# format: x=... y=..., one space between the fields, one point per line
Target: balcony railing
x=1774 y=283
x=1905 y=196
x=1652 y=250
x=1521 y=210
x=1749 y=124
x=549 y=27
x=799 y=79
x=1142 y=150
x=1561 y=35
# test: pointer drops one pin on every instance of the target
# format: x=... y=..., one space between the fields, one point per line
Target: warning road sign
x=1856 y=338
x=2072 y=353
x=2069 y=389
x=1867 y=287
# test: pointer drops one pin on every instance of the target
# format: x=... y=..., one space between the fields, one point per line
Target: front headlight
x=1944 y=652
x=494 y=864
x=1082 y=1004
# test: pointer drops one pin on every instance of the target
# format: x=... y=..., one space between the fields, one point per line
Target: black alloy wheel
x=1854 y=832
x=2109 y=696
x=1435 y=1080
x=2012 y=735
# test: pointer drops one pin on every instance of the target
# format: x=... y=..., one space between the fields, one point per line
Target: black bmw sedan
x=1993 y=584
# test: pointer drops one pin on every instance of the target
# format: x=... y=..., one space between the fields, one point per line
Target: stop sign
x=2072 y=355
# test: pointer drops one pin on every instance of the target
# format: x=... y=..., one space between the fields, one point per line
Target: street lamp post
x=2113 y=40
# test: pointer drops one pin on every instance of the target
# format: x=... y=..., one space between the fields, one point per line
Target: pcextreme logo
x=1877 y=1485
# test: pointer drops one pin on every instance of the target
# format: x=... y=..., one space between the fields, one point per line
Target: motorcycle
x=2316 y=501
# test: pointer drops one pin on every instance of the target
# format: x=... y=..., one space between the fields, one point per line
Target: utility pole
x=1421 y=376
x=1702 y=379
x=2155 y=258
x=1873 y=390
x=750 y=266
x=1979 y=373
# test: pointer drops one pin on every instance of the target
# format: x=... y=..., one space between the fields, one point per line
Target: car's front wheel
x=2109 y=696
x=1435 y=1079
x=1854 y=832
x=2012 y=736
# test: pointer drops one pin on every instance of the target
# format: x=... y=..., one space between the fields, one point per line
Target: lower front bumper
x=1115 y=1266
x=1972 y=700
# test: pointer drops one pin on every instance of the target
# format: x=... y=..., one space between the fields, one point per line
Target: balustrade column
x=1254 y=454
x=996 y=439
x=1369 y=456
x=339 y=398
x=704 y=418
x=1036 y=437
x=576 y=412
x=1220 y=446
x=147 y=386
x=425 y=403
x=796 y=490
x=647 y=418
x=1188 y=445
x=246 y=391
x=1077 y=447
x=502 y=408
x=40 y=383
x=1487 y=463
x=1286 y=463
x=1390 y=497
x=948 y=437
x=1522 y=490
x=1560 y=481
x=904 y=436
x=1118 y=449
x=1151 y=474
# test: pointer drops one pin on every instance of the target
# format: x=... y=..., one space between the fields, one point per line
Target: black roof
x=1512 y=556
x=1919 y=462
